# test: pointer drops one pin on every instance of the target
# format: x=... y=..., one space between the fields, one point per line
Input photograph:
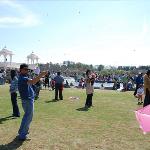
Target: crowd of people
x=128 y=81
x=2 y=76
x=29 y=83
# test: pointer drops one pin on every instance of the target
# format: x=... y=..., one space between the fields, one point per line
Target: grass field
x=62 y=125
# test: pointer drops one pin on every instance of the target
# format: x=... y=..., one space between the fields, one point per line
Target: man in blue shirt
x=27 y=97
x=58 y=86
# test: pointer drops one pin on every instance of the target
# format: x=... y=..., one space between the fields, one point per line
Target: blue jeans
x=14 y=104
x=1 y=81
x=28 y=107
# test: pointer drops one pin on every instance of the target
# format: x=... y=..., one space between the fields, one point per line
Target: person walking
x=27 y=97
x=58 y=86
x=147 y=88
x=13 y=92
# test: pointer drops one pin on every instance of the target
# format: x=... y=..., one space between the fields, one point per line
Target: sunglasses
x=26 y=69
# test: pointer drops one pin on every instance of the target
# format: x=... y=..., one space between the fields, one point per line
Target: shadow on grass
x=6 y=118
x=82 y=109
x=13 y=145
x=53 y=100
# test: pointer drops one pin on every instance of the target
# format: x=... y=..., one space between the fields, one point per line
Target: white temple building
x=6 y=62
x=6 y=53
x=32 y=58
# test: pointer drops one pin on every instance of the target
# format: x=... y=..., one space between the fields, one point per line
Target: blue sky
x=93 y=32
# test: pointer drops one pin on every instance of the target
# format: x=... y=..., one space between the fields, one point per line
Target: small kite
x=74 y=98
x=143 y=118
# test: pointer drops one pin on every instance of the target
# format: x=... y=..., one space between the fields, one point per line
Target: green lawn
x=109 y=125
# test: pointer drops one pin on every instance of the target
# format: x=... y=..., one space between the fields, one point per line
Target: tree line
x=79 y=68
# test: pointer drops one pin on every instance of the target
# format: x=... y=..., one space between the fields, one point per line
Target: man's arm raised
x=36 y=79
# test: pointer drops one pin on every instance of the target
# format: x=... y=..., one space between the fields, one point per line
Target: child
x=140 y=93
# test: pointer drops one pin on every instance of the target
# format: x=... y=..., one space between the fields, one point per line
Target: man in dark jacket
x=58 y=86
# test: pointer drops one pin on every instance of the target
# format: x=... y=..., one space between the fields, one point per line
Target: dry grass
x=110 y=125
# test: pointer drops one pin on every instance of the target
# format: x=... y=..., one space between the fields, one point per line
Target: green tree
x=100 y=67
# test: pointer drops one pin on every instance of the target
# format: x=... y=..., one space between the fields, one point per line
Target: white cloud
x=26 y=18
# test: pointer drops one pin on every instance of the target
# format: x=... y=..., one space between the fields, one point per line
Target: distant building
x=7 y=63
x=68 y=63
x=6 y=53
x=110 y=67
x=31 y=58
x=96 y=66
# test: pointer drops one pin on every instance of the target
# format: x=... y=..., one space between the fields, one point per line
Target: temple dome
x=5 y=51
x=32 y=56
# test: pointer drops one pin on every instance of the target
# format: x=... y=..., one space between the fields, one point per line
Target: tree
x=100 y=67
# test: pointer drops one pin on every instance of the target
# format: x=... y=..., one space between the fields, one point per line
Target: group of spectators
x=2 y=76
x=128 y=81
x=28 y=84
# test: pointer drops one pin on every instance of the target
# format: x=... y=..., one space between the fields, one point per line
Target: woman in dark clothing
x=13 y=93
x=89 y=82
x=47 y=81
x=147 y=88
